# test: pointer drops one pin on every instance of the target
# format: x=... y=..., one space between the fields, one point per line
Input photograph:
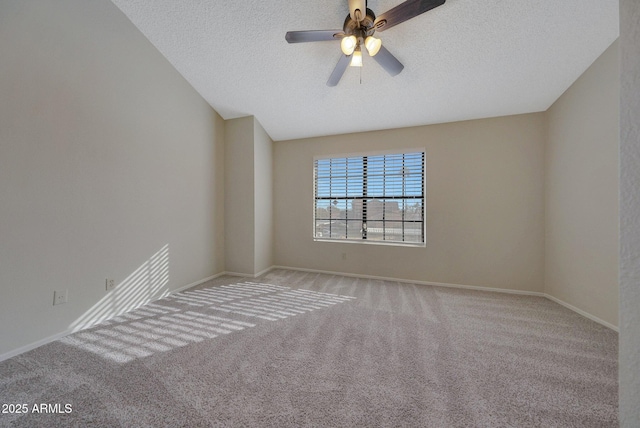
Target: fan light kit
x=356 y=59
x=373 y=45
x=348 y=44
x=358 y=29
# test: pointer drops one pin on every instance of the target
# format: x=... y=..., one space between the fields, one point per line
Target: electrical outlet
x=60 y=297
x=344 y=256
x=110 y=284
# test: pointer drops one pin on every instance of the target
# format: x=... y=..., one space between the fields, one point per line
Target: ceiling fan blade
x=403 y=12
x=337 y=73
x=388 y=61
x=313 y=36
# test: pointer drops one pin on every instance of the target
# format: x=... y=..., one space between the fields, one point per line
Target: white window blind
x=370 y=198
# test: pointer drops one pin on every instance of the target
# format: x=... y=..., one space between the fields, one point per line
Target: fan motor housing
x=363 y=28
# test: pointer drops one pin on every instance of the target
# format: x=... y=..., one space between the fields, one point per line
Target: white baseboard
x=34 y=345
x=264 y=271
x=412 y=281
x=468 y=287
x=409 y=281
x=67 y=332
x=250 y=275
x=202 y=281
x=581 y=312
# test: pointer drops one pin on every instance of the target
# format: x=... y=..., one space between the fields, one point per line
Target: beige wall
x=110 y=167
x=263 y=197
x=239 y=204
x=523 y=202
x=248 y=197
x=629 y=368
x=581 y=181
x=485 y=217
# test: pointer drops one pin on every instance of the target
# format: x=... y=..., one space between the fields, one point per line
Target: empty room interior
x=192 y=232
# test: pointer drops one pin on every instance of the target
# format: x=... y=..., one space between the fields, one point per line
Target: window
x=370 y=198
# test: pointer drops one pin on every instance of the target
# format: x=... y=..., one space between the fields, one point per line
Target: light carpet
x=294 y=349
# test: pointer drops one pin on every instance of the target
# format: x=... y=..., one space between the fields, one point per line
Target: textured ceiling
x=466 y=59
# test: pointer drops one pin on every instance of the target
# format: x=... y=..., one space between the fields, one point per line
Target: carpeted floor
x=294 y=349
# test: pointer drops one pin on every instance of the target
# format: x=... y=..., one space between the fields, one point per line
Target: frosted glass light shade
x=348 y=44
x=373 y=45
x=356 y=59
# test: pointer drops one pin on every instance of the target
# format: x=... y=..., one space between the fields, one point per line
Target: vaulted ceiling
x=466 y=59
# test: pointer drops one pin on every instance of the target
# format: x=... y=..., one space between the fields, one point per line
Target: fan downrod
x=361 y=29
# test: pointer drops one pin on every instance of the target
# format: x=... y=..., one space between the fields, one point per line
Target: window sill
x=367 y=242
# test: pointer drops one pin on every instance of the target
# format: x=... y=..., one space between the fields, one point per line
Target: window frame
x=362 y=240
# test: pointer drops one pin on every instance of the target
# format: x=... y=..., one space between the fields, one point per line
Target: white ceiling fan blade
x=337 y=73
x=405 y=11
x=313 y=36
x=388 y=61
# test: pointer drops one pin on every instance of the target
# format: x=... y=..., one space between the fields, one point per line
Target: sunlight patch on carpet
x=193 y=316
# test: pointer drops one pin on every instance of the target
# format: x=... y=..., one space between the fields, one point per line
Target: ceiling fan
x=358 y=29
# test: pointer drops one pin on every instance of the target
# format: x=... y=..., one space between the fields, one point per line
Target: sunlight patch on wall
x=147 y=283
